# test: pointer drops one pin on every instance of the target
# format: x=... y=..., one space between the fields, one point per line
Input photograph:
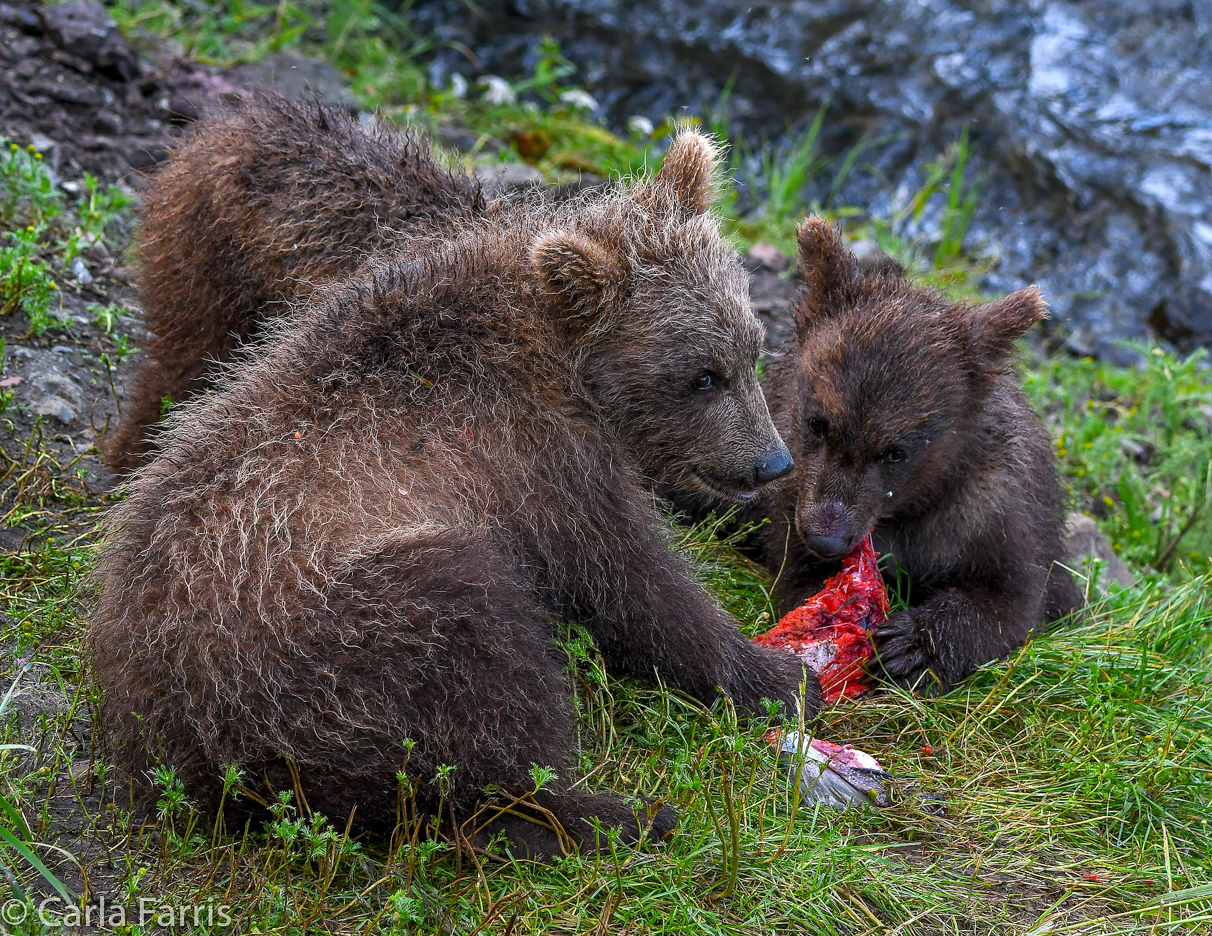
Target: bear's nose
x=827 y=547
x=773 y=465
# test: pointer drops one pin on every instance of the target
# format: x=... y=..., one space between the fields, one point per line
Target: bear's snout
x=775 y=464
x=825 y=530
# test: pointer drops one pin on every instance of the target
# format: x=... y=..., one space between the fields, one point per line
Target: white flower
x=497 y=90
x=458 y=85
x=640 y=126
x=580 y=99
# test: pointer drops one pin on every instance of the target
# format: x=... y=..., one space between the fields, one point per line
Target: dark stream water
x=1091 y=122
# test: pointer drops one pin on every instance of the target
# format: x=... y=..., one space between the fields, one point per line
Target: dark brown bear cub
x=369 y=534
x=906 y=420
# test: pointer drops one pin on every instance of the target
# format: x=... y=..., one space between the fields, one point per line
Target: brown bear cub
x=906 y=420
x=369 y=534
x=259 y=206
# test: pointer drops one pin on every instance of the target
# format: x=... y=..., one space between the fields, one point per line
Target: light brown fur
x=260 y=205
x=368 y=533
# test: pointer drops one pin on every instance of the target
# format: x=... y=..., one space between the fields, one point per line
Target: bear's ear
x=582 y=272
x=994 y=327
x=828 y=269
x=689 y=174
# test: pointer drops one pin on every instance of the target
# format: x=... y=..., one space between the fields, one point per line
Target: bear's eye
x=818 y=427
x=706 y=382
x=894 y=455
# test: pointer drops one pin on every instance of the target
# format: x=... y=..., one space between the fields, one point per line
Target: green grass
x=1134 y=447
x=43 y=234
x=1068 y=785
x=1063 y=791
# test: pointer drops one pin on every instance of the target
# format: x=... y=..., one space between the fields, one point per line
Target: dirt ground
x=90 y=101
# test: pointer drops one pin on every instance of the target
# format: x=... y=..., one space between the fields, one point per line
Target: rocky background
x=88 y=100
x=1092 y=121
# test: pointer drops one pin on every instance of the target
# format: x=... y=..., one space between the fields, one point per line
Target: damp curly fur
x=251 y=212
x=905 y=416
x=367 y=533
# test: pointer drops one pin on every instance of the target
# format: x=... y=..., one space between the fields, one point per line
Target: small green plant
x=123 y=348
x=103 y=316
x=172 y=804
x=99 y=207
x=962 y=198
x=944 y=175
x=550 y=70
x=133 y=879
x=787 y=172
x=541 y=776
x=27 y=184
x=26 y=283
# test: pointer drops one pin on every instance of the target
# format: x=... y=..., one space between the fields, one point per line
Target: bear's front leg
x=639 y=600
x=934 y=645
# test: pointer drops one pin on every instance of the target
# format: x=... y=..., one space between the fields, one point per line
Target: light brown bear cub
x=255 y=209
x=368 y=534
x=906 y=420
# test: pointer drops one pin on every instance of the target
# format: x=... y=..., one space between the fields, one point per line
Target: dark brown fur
x=893 y=388
x=370 y=532
x=256 y=208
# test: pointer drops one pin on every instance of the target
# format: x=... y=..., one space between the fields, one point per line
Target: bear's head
x=657 y=305
x=880 y=398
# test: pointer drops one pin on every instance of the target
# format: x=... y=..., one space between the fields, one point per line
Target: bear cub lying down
x=368 y=534
x=906 y=420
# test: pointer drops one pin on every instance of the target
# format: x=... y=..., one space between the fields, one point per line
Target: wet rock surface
x=1184 y=318
x=1088 y=552
x=296 y=77
x=1091 y=121
x=84 y=29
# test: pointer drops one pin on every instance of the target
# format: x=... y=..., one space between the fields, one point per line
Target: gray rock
x=109 y=122
x=1084 y=542
x=770 y=257
x=1090 y=122
x=501 y=178
x=25 y=20
x=12 y=539
x=80 y=272
x=295 y=77
x=47 y=388
x=1184 y=319
x=33 y=699
x=773 y=298
x=85 y=29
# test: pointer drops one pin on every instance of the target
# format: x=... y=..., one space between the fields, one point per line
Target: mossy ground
x=1064 y=790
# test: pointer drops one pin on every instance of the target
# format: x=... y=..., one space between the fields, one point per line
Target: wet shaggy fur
x=369 y=533
x=906 y=419
x=256 y=208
